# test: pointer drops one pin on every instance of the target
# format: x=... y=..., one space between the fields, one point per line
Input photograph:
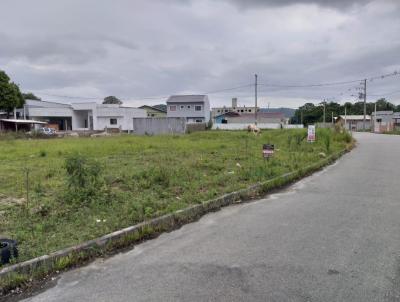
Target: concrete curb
x=43 y=265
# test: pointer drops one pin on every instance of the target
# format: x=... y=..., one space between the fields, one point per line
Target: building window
x=197 y=108
x=172 y=108
x=182 y=107
x=249 y=110
x=199 y=121
x=113 y=121
x=379 y=120
x=188 y=107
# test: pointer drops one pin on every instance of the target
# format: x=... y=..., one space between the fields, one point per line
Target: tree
x=30 y=96
x=112 y=100
x=10 y=95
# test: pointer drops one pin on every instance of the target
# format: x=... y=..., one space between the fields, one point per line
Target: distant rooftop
x=356 y=117
x=187 y=98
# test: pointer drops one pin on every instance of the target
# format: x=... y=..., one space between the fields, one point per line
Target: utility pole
x=324 y=114
x=332 y=118
x=301 y=117
x=345 y=117
x=255 y=99
x=374 y=118
x=365 y=103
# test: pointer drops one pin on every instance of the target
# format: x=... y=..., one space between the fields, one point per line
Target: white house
x=355 y=122
x=195 y=108
x=83 y=116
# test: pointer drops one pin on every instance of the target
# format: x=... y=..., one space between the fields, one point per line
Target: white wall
x=244 y=126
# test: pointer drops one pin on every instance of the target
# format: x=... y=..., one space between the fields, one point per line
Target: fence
x=154 y=126
x=260 y=125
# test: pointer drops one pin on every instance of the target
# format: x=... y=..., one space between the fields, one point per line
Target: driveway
x=334 y=236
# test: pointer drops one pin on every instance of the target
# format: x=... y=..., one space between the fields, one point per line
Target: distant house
x=385 y=121
x=153 y=111
x=354 y=122
x=194 y=108
x=82 y=116
x=249 y=118
x=217 y=111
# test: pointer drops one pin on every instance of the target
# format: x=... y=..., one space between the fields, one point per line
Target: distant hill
x=288 y=112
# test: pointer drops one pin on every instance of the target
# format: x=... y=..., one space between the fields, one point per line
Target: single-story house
x=82 y=116
x=194 y=108
x=354 y=122
x=385 y=121
x=154 y=111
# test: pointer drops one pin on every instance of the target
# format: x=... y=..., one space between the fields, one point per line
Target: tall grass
x=81 y=188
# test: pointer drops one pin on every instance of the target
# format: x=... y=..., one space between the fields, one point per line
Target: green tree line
x=310 y=113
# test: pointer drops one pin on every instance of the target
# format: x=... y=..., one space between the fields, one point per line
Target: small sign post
x=311 y=134
x=268 y=151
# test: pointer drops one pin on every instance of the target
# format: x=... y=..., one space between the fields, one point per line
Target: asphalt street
x=334 y=236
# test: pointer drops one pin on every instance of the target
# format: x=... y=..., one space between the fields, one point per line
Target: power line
x=144 y=98
x=370 y=79
x=69 y=96
x=386 y=94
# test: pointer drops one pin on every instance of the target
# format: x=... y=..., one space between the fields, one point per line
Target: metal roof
x=200 y=98
x=16 y=121
x=356 y=117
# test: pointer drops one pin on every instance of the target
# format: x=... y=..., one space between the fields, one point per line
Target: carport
x=16 y=124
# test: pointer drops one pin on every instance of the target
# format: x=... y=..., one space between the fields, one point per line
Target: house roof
x=229 y=113
x=356 y=117
x=383 y=113
x=187 y=98
x=153 y=107
x=16 y=121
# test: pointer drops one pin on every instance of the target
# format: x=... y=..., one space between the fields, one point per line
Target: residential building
x=154 y=111
x=385 y=121
x=82 y=116
x=234 y=108
x=354 y=122
x=194 y=108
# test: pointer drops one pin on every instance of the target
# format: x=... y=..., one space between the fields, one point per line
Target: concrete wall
x=241 y=109
x=357 y=125
x=244 y=126
x=155 y=126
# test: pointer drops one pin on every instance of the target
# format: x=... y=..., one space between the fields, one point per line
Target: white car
x=47 y=131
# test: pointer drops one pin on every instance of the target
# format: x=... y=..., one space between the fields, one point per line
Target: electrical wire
x=313 y=85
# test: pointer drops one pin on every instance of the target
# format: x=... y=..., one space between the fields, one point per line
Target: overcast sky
x=141 y=49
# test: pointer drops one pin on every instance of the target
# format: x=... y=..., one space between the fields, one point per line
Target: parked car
x=47 y=131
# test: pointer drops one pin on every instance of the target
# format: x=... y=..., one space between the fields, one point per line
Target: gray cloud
x=137 y=48
x=342 y=4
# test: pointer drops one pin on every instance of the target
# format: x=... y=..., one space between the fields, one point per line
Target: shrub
x=85 y=181
x=327 y=141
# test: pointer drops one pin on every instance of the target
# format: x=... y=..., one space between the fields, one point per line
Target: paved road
x=334 y=236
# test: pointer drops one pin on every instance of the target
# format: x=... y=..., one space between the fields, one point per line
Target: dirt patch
x=11 y=201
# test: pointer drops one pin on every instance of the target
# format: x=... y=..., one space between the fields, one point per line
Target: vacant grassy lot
x=45 y=207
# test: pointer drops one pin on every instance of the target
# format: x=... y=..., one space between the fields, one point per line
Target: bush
x=85 y=181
